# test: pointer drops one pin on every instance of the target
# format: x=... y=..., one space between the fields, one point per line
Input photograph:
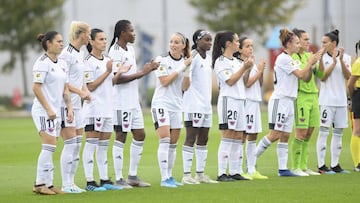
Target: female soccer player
x=72 y=132
x=198 y=109
x=50 y=89
x=333 y=102
x=98 y=114
x=354 y=93
x=166 y=105
x=231 y=103
x=281 y=103
x=253 y=79
x=127 y=111
x=307 y=114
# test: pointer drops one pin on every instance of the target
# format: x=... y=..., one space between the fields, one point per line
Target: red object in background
x=16 y=98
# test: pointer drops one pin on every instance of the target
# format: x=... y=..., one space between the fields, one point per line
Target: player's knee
x=190 y=140
x=324 y=129
x=337 y=131
x=202 y=140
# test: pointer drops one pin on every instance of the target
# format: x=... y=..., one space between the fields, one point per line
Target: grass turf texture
x=20 y=146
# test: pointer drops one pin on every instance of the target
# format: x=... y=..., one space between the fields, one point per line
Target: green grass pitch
x=20 y=146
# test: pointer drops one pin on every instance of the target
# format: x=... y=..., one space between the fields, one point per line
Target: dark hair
x=219 y=44
x=333 y=36
x=120 y=26
x=43 y=38
x=357 y=47
x=298 y=32
x=286 y=36
x=92 y=35
x=198 y=34
x=241 y=41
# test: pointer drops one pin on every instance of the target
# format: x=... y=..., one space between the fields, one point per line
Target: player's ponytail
x=43 y=38
x=219 y=44
x=92 y=36
x=333 y=36
x=120 y=26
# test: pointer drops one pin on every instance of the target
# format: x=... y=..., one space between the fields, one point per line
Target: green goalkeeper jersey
x=308 y=87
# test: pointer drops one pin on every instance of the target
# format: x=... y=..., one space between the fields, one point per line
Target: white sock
x=336 y=144
x=262 y=146
x=201 y=156
x=321 y=147
x=187 y=155
x=118 y=158
x=101 y=159
x=234 y=157
x=223 y=155
x=136 y=149
x=250 y=156
x=282 y=153
x=172 y=158
x=88 y=157
x=45 y=165
x=66 y=160
x=163 y=157
x=76 y=158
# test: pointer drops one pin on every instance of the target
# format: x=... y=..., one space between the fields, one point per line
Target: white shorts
x=78 y=122
x=126 y=120
x=253 y=116
x=51 y=127
x=281 y=114
x=99 y=124
x=231 y=114
x=162 y=117
x=336 y=117
x=198 y=120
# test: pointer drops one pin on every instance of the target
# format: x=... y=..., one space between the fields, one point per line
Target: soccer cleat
x=286 y=173
x=43 y=190
x=135 y=181
x=357 y=168
x=56 y=190
x=109 y=185
x=299 y=172
x=311 y=172
x=93 y=186
x=224 y=178
x=238 y=177
x=247 y=176
x=168 y=183
x=201 y=178
x=258 y=175
x=187 y=179
x=122 y=183
x=325 y=170
x=71 y=190
x=175 y=182
x=338 y=169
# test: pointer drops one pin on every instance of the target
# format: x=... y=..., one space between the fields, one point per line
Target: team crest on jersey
x=196 y=121
x=201 y=66
x=295 y=63
x=279 y=125
x=302 y=119
x=37 y=76
x=98 y=124
x=51 y=130
x=52 y=69
x=169 y=67
x=126 y=125
x=249 y=127
x=162 y=120
x=323 y=121
x=232 y=122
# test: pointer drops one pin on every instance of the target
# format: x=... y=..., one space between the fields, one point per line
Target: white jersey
x=285 y=82
x=169 y=97
x=75 y=67
x=126 y=95
x=333 y=90
x=224 y=69
x=52 y=76
x=253 y=93
x=197 y=99
x=101 y=103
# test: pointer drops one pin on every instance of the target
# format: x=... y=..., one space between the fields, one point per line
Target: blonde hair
x=76 y=28
x=286 y=36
